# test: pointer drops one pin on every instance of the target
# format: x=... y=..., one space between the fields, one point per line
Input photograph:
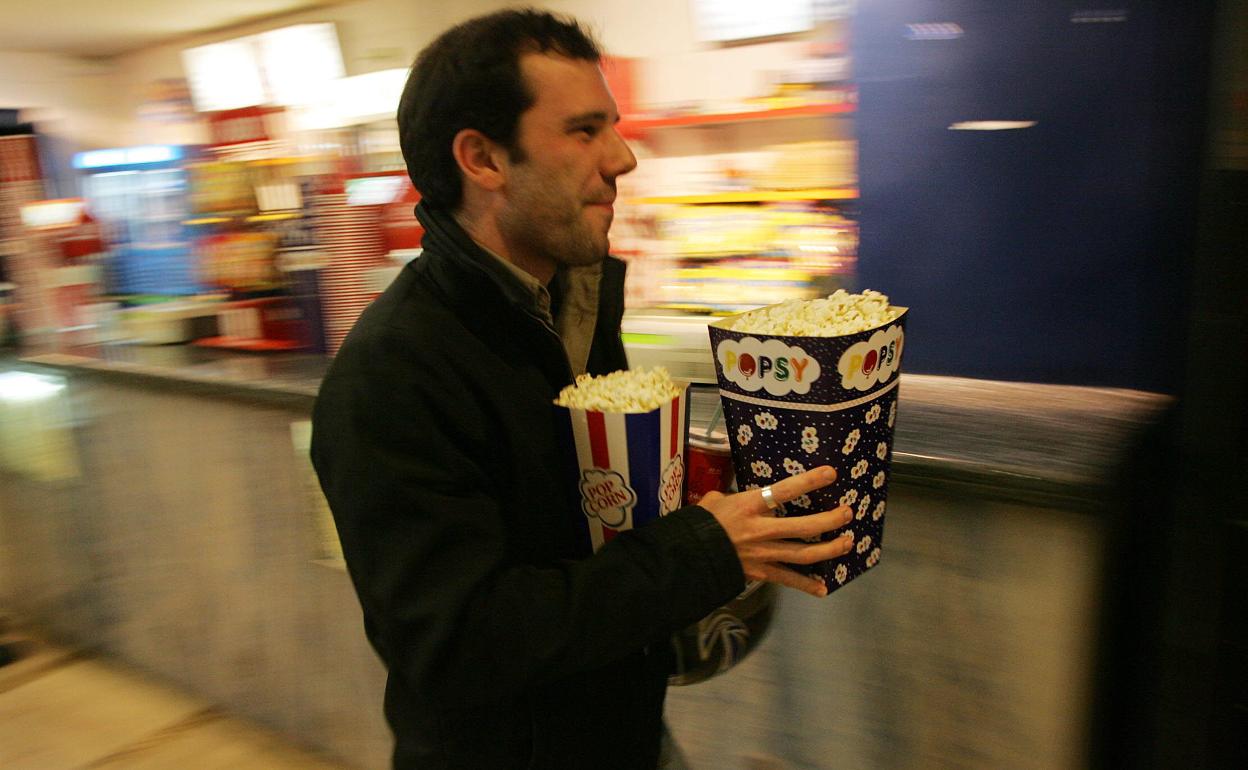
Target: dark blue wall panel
x=1051 y=253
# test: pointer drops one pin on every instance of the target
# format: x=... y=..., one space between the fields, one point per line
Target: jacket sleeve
x=424 y=539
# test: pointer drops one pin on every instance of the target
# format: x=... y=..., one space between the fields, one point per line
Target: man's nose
x=619 y=158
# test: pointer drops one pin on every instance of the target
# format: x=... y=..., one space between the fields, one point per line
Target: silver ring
x=770 y=499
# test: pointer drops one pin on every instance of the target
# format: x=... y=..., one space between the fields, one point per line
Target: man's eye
x=588 y=131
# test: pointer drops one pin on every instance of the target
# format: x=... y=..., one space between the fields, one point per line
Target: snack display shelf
x=636 y=124
x=258 y=345
x=756 y=196
x=709 y=308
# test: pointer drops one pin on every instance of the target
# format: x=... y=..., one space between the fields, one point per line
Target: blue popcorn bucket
x=629 y=468
x=796 y=403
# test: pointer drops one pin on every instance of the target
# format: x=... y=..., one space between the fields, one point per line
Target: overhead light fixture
x=938 y=30
x=991 y=125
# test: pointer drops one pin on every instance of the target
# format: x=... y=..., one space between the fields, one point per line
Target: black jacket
x=434 y=440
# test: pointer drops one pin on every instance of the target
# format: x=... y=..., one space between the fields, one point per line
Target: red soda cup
x=709 y=469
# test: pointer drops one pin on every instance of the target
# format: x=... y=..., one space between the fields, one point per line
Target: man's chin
x=584 y=259
x=592 y=251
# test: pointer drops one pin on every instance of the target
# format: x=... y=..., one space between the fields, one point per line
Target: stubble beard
x=553 y=230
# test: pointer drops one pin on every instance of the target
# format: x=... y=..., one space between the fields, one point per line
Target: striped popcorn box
x=795 y=403
x=629 y=468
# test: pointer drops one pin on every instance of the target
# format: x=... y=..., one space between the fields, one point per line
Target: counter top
x=1048 y=444
x=1041 y=443
x=284 y=379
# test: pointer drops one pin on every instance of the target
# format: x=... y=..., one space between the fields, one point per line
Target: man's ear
x=480 y=159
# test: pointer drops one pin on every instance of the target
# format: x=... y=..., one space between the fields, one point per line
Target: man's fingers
x=774 y=573
x=807 y=526
x=710 y=497
x=802 y=553
x=796 y=486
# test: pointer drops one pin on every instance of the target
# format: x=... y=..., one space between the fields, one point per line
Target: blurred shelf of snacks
x=637 y=125
x=758 y=196
x=744 y=203
x=294 y=213
x=263 y=240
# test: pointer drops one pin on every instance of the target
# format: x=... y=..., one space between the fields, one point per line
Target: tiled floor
x=59 y=711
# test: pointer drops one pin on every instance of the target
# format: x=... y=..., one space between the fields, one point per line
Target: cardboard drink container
x=708 y=466
x=795 y=403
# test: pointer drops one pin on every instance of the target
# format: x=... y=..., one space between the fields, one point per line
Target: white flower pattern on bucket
x=744 y=434
x=859 y=469
x=766 y=421
x=863 y=505
x=802 y=501
x=810 y=439
x=878 y=481
x=873 y=414
x=850 y=497
x=878 y=512
x=851 y=441
x=761 y=468
x=841 y=573
x=881 y=450
x=873 y=558
x=863 y=544
x=892 y=413
x=793 y=467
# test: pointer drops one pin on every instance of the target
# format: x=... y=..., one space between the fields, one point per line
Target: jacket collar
x=465 y=272
x=461 y=267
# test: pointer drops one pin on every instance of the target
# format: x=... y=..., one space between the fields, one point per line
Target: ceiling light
x=991 y=125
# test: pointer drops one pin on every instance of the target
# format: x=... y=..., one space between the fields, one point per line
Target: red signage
x=241 y=126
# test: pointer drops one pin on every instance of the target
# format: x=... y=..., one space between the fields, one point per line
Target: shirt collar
x=527 y=290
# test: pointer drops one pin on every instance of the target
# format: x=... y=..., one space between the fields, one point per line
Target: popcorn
x=631 y=391
x=837 y=314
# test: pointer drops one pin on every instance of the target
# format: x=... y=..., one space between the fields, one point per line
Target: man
x=435 y=442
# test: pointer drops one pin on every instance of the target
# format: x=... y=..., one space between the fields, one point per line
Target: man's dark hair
x=470 y=78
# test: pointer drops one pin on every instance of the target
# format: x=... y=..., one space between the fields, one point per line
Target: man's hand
x=762 y=539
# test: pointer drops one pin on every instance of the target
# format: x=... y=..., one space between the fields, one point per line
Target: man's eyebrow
x=597 y=116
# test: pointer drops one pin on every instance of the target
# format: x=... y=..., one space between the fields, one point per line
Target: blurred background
x=197 y=200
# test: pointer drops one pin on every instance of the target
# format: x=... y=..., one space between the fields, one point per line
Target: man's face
x=558 y=199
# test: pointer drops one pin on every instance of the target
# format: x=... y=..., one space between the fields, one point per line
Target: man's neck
x=485 y=233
